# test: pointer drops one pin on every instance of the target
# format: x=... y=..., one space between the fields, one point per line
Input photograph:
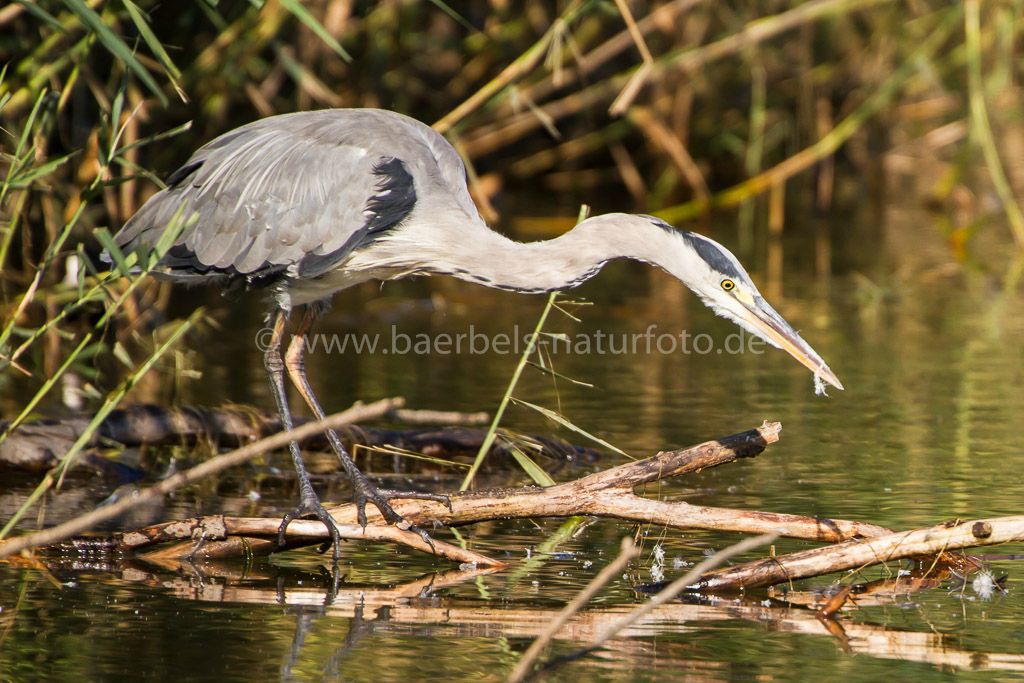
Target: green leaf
x=155 y=137
x=303 y=15
x=121 y=354
x=170 y=235
x=153 y=42
x=116 y=255
x=23 y=180
x=114 y=45
x=39 y=13
x=535 y=471
x=558 y=375
x=458 y=18
x=552 y=415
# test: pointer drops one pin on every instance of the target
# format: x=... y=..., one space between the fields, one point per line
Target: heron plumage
x=313 y=202
x=298 y=186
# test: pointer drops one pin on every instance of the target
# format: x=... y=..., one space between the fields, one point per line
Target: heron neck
x=494 y=260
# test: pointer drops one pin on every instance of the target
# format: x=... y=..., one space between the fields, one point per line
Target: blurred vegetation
x=680 y=107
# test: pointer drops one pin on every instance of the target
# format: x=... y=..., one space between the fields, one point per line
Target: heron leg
x=363 y=488
x=309 y=503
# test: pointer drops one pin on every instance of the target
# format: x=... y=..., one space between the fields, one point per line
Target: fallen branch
x=861 y=553
x=241 y=537
x=608 y=493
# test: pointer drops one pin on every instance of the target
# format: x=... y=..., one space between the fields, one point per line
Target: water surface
x=928 y=347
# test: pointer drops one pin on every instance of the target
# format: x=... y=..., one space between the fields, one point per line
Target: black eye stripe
x=712 y=255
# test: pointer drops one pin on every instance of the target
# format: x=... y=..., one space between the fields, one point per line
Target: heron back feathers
x=294 y=195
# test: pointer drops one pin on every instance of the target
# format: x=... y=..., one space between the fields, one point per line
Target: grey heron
x=306 y=204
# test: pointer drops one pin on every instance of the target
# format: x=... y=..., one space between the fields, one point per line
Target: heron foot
x=311 y=507
x=365 y=492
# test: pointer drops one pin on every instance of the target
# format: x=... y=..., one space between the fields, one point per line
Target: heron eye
x=728 y=285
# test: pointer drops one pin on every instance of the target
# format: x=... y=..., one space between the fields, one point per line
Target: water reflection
x=928 y=348
x=334 y=626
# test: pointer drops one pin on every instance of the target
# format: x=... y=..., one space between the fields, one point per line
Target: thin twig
x=523 y=65
x=440 y=417
x=670 y=143
x=632 y=87
x=627 y=552
x=259 y=537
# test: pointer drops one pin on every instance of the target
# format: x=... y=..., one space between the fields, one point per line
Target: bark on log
x=930 y=541
x=235 y=537
x=608 y=493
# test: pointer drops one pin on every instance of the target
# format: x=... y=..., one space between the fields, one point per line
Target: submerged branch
x=258 y=536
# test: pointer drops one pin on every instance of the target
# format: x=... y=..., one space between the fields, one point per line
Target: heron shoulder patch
x=393 y=200
x=184 y=172
x=395 y=196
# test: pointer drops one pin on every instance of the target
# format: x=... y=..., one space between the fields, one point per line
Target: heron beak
x=766 y=320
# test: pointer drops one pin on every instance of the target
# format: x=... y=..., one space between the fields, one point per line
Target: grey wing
x=284 y=194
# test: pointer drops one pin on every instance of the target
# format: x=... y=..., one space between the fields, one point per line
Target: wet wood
x=236 y=457
x=216 y=537
x=219 y=537
x=835 y=603
x=608 y=493
x=931 y=541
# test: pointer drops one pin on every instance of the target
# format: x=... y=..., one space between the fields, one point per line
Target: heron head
x=714 y=274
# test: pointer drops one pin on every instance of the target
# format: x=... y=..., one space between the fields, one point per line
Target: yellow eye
x=728 y=285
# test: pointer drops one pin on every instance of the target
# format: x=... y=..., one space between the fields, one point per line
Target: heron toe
x=365 y=492
x=311 y=507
